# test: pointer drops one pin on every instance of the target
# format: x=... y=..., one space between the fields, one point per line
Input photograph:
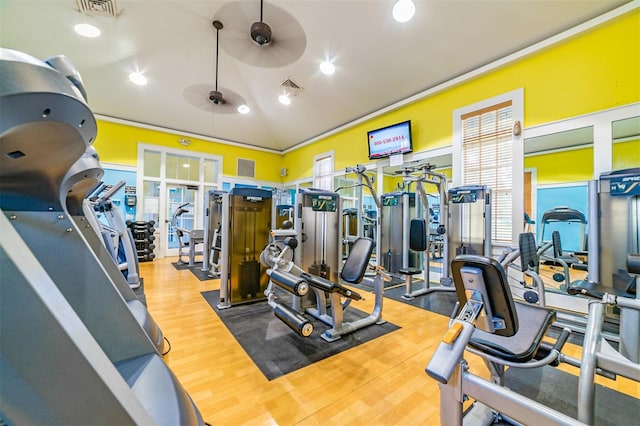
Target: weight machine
x=318 y=224
x=237 y=229
x=330 y=299
x=365 y=225
x=417 y=235
x=470 y=230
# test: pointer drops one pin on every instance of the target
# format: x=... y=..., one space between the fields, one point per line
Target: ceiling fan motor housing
x=216 y=97
x=261 y=33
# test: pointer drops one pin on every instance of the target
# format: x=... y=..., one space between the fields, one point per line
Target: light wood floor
x=381 y=382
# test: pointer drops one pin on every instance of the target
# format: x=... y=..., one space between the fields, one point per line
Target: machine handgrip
x=562 y=339
x=573 y=290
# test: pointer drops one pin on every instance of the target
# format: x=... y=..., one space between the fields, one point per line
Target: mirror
x=626 y=135
x=393 y=219
x=557 y=168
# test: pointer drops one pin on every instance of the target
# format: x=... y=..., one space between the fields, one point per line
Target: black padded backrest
x=497 y=289
x=557 y=244
x=528 y=250
x=356 y=264
x=418 y=235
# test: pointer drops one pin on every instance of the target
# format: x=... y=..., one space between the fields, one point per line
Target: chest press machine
x=330 y=299
x=488 y=325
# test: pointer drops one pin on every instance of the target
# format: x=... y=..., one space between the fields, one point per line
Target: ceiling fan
x=215 y=96
x=280 y=42
x=229 y=103
x=261 y=31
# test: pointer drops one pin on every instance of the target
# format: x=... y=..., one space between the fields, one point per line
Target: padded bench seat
x=329 y=286
x=521 y=347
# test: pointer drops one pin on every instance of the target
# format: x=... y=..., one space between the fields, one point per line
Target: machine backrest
x=528 y=251
x=418 y=235
x=557 y=244
x=356 y=264
x=494 y=287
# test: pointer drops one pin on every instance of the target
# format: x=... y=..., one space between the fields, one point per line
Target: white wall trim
x=121 y=167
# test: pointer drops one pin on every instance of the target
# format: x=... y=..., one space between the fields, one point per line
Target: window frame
x=319 y=176
x=516 y=97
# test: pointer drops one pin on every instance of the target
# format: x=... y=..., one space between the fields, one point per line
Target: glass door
x=182 y=212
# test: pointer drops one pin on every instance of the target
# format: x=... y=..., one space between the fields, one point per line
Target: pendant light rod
x=261 y=6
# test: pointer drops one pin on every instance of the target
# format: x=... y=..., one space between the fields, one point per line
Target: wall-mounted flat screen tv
x=390 y=140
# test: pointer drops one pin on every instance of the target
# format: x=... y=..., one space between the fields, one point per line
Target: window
x=487 y=160
x=323 y=171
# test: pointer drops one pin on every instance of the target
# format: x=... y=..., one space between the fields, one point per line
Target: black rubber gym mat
x=196 y=270
x=274 y=348
x=440 y=302
x=559 y=390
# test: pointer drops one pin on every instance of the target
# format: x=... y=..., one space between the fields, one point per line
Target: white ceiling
x=378 y=60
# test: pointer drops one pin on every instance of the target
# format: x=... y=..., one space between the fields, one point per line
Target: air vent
x=290 y=87
x=98 y=7
x=246 y=168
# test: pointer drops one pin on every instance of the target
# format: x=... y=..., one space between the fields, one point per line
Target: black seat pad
x=521 y=347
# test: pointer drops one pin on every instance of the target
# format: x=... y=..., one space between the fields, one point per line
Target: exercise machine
x=470 y=224
x=116 y=234
x=571 y=224
x=318 y=224
x=397 y=209
x=361 y=220
x=241 y=219
x=598 y=354
x=417 y=236
x=331 y=299
x=85 y=347
x=212 y=244
x=504 y=333
x=188 y=239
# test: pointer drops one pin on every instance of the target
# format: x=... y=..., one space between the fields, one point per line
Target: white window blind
x=323 y=172
x=487 y=160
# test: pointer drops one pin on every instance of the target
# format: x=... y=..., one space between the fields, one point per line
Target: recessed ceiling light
x=186 y=165
x=87 y=30
x=404 y=10
x=138 y=78
x=244 y=109
x=327 y=68
x=284 y=99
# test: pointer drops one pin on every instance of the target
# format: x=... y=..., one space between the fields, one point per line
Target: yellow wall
x=118 y=144
x=567 y=166
x=626 y=155
x=594 y=71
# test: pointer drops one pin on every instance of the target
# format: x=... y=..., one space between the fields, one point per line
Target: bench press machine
x=505 y=334
x=323 y=299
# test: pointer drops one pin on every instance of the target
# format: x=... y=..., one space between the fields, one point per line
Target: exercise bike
x=318 y=297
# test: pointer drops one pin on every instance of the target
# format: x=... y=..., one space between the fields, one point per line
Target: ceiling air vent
x=290 y=87
x=98 y=7
x=246 y=168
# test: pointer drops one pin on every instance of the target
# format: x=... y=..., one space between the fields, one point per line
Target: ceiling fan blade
x=198 y=96
x=288 y=43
